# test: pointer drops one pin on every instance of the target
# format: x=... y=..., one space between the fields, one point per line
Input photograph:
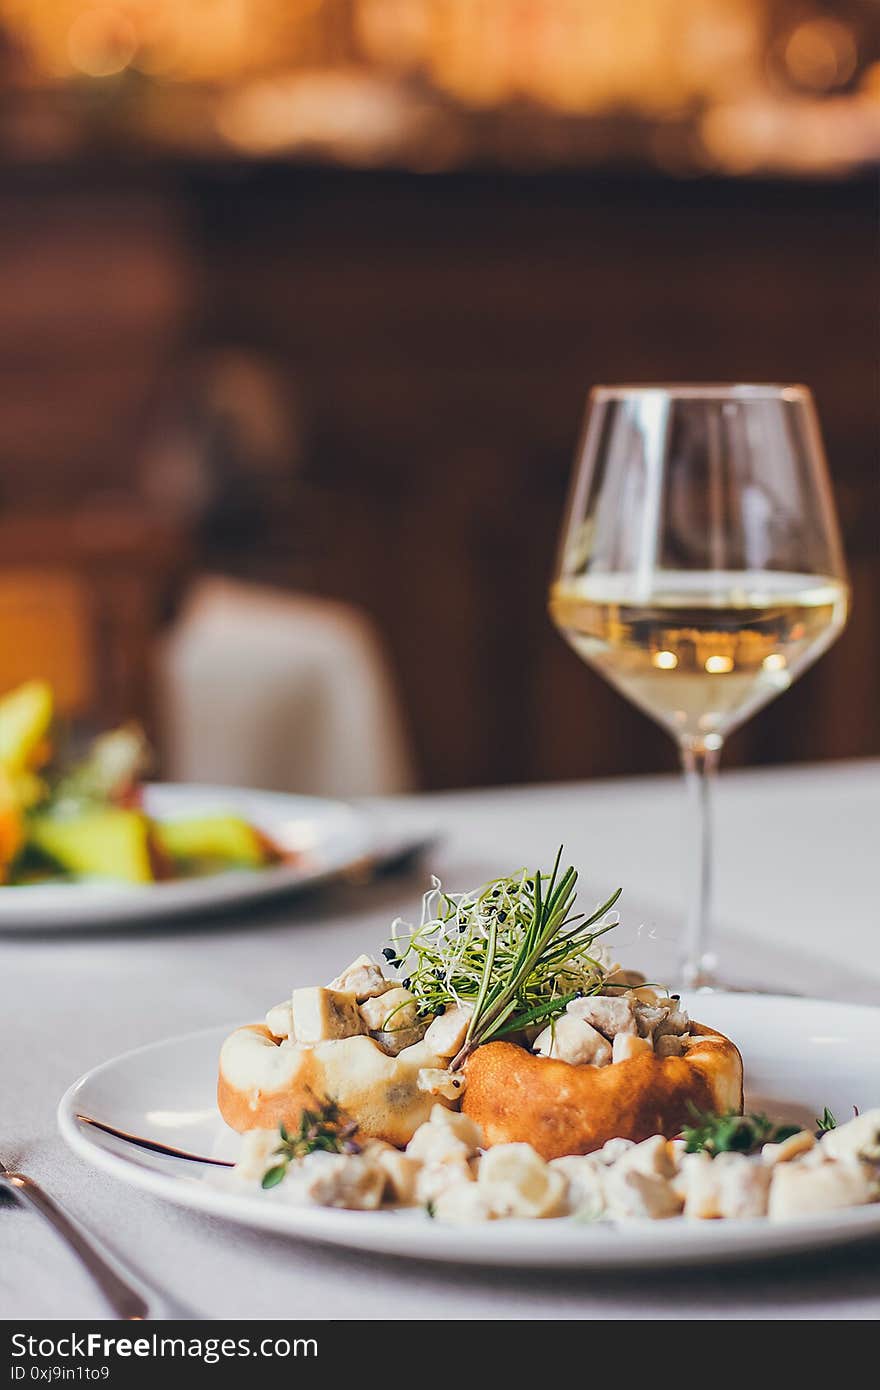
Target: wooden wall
x=438 y=335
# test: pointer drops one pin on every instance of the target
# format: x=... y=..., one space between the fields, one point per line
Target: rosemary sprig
x=514 y=950
x=326 y=1129
x=731 y=1133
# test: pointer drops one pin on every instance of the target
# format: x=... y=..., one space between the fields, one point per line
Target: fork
x=123 y=1290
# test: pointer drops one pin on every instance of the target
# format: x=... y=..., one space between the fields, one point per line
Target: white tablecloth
x=797 y=883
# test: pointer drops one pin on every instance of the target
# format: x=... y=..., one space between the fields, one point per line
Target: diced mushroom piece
x=584 y=1177
x=518 y=1182
x=433 y=1179
x=363 y=978
x=812 y=1158
x=570 y=1039
x=258 y=1152
x=743 y=1185
x=353 y=1181
x=612 y=1150
x=608 y=1015
x=391 y=1012
x=437 y=1142
x=401 y=1172
x=462 y=1126
x=859 y=1138
x=629 y=1045
x=393 y=1021
x=401 y=1175
x=668 y=1045
x=397 y=1040
x=434 y=1081
x=446 y=1033
x=649 y=996
x=793 y=1147
x=649 y=1017
x=463 y=1202
x=652 y=1156
x=675 y=1023
x=697 y=1184
x=799 y=1188
x=729 y=1185
x=323 y=1015
x=629 y=1193
x=279 y=1020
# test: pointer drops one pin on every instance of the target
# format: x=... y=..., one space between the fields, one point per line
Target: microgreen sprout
x=514 y=950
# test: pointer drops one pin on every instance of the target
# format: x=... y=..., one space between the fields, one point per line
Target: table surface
x=797 y=899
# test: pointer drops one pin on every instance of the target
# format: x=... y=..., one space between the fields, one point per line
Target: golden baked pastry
x=266 y=1081
x=515 y=1096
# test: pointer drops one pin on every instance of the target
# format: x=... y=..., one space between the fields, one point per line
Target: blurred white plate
x=800 y=1055
x=327 y=836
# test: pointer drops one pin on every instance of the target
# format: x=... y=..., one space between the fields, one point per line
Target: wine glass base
x=701 y=974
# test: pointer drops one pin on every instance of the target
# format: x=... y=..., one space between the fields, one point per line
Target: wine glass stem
x=700 y=764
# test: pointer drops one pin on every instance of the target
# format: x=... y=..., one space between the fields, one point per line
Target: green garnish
x=115 y=762
x=514 y=950
x=732 y=1133
x=827 y=1122
x=326 y=1129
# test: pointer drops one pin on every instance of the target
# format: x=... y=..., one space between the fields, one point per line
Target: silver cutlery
x=125 y=1292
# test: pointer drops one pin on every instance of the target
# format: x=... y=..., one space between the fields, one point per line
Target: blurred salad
x=85 y=819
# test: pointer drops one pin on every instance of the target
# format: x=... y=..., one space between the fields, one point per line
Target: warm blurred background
x=299 y=304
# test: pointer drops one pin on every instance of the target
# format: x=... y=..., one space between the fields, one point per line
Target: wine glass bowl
x=700 y=568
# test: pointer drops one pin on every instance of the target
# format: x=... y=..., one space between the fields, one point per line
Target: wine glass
x=700 y=571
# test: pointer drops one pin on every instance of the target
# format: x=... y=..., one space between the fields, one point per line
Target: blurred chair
x=280 y=691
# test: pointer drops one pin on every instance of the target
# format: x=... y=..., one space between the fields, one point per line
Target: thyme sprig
x=514 y=950
x=326 y=1129
x=732 y=1133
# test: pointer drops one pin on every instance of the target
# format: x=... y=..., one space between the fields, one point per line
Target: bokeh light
x=102 y=41
x=821 y=54
x=682 y=84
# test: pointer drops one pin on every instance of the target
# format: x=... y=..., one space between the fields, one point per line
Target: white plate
x=800 y=1055
x=329 y=836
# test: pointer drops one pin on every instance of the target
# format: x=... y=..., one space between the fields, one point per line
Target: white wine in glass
x=700 y=570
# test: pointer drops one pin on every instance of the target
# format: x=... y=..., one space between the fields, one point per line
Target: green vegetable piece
x=225 y=839
x=111 y=769
x=111 y=844
x=326 y=1129
x=25 y=718
x=732 y=1133
x=783 y=1132
x=273 y=1176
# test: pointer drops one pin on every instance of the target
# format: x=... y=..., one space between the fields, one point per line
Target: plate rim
x=705 y=1245
x=107 y=905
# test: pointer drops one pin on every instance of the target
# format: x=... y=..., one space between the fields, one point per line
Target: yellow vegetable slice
x=111 y=844
x=25 y=718
x=225 y=839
